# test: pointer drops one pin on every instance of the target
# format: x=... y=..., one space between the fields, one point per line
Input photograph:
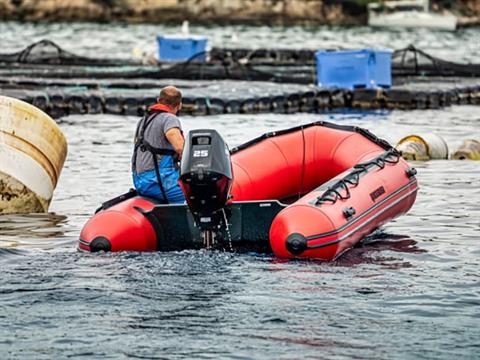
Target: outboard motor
x=206 y=178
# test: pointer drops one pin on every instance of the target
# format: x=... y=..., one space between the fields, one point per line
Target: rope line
x=334 y=192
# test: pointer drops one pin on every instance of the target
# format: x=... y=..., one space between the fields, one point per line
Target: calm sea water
x=409 y=292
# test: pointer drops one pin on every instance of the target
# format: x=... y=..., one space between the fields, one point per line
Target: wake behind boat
x=312 y=191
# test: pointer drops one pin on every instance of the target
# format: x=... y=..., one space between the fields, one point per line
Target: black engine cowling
x=206 y=176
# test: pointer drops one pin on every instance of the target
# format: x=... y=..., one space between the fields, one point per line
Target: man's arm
x=175 y=137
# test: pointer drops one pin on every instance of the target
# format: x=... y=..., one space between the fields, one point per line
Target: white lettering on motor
x=200 y=153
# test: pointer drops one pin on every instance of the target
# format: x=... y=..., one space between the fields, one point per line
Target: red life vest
x=161 y=107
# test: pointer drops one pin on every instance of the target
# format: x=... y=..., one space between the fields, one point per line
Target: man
x=158 y=145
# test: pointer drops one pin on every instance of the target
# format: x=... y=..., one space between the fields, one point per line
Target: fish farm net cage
x=415 y=62
x=276 y=65
x=46 y=52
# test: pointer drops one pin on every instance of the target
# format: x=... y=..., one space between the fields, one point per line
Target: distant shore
x=254 y=12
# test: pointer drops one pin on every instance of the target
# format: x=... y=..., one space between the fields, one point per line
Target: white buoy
x=32 y=153
x=423 y=147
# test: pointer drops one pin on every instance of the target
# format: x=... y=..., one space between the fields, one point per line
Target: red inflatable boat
x=312 y=191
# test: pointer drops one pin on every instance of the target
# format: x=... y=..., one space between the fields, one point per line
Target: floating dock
x=232 y=97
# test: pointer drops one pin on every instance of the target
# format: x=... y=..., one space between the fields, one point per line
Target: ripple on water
x=408 y=291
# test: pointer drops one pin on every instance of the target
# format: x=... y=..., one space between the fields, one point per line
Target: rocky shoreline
x=255 y=12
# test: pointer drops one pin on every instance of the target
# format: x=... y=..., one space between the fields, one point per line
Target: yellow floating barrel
x=469 y=150
x=32 y=153
x=422 y=148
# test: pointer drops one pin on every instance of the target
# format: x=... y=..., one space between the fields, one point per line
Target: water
x=409 y=292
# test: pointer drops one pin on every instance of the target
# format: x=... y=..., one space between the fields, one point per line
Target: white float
x=32 y=153
x=423 y=147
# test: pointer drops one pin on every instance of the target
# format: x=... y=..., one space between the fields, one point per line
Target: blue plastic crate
x=366 y=68
x=181 y=48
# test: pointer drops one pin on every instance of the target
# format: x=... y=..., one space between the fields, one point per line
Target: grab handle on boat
x=348 y=212
x=411 y=172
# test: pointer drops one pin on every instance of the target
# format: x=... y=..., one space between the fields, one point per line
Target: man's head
x=172 y=97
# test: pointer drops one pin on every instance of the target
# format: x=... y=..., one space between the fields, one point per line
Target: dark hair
x=170 y=96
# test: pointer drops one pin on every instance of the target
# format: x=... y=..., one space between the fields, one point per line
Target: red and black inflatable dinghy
x=312 y=191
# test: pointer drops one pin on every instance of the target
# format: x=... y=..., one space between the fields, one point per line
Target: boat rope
x=334 y=192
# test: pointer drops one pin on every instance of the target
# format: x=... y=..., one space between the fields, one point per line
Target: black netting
x=415 y=62
x=48 y=53
x=266 y=56
x=283 y=63
x=277 y=65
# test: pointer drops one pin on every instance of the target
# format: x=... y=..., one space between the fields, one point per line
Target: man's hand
x=175 y=137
